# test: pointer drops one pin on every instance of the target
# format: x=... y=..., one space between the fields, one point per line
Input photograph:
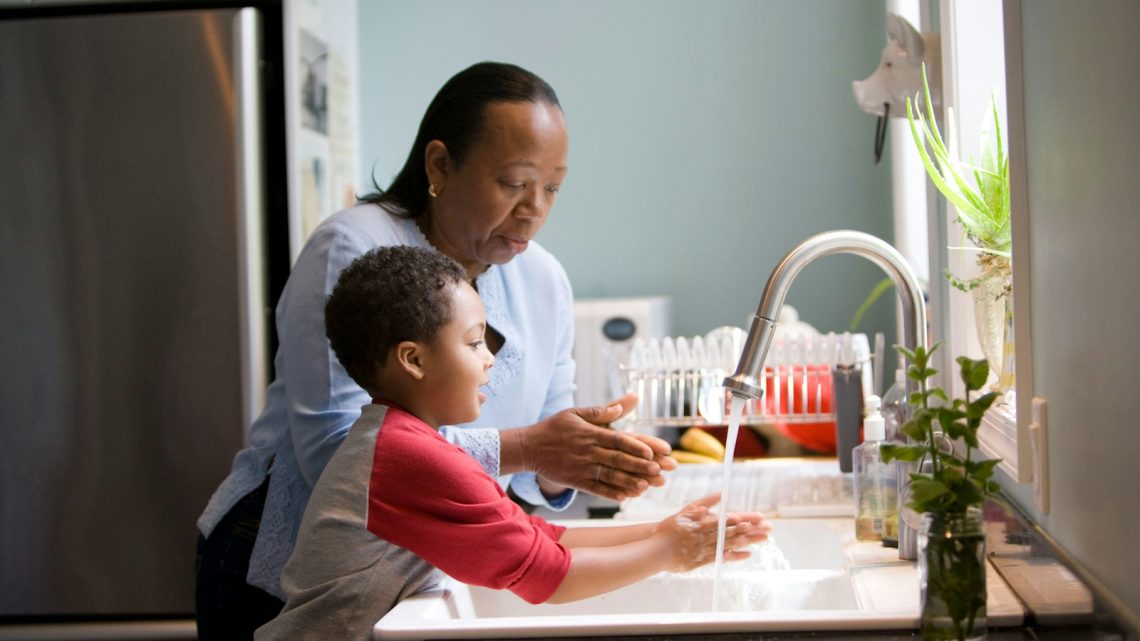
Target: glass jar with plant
x=979 y=191
x=948 y=491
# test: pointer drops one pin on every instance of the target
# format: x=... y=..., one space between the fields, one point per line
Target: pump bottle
x=893 y=406
x=875 y=484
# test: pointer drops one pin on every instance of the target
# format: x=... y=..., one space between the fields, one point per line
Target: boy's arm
x=586 y=537
x=599 y=570
x=605 y=559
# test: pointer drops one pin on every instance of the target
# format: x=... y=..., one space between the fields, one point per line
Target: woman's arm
x=679 y=543
x=576 y=448
x=323 y=401
x=570 y=448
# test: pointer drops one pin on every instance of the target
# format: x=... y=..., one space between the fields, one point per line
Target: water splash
x=745 y=585
x=729 y=450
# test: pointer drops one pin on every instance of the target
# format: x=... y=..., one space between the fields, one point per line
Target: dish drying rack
x=678 y=380
x=807 y=379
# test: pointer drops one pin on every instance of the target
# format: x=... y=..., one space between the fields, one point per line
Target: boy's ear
x=409 y=357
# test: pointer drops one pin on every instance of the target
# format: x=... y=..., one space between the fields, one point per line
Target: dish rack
x=784 y=487
x=678 y=380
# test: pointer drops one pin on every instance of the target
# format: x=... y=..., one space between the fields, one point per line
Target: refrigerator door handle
x=251 y=195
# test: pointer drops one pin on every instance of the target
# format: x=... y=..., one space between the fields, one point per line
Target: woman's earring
x=431 y=190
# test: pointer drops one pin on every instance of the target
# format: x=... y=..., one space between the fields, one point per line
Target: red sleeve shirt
x=430 y=497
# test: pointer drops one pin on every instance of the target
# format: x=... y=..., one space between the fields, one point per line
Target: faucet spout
x=747 y=381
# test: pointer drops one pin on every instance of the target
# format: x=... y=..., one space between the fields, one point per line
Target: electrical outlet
x=1038 y=438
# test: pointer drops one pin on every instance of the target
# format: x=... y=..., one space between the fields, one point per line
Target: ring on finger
x=597 y=473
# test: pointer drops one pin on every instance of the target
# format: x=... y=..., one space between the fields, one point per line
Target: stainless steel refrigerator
x=140 y=152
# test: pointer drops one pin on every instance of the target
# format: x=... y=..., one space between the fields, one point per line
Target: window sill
x=997 y=436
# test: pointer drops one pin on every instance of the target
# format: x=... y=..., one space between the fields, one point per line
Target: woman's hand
x=689 y=536
x=577 y=448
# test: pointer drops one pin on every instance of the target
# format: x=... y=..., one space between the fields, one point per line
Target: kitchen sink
x=814 y=575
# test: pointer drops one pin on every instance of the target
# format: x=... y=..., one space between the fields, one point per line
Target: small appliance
x=604 y=330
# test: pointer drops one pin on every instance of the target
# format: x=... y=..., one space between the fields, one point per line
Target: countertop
x=1077 y=633
x=1058 y=605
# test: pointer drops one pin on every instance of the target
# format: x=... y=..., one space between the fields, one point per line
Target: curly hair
x=388 y=295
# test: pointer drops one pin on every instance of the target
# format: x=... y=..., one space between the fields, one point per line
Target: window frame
x=974 y=34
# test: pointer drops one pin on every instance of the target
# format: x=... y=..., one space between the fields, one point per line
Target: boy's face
x=458 y=360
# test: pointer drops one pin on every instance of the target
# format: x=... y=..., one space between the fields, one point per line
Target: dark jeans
x=227 y=607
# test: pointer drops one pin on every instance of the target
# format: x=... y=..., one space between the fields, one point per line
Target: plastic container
x=894 y=408
x=875 y=484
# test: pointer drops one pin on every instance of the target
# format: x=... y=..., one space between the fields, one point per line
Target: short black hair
x=388 y=295
x=457 y=118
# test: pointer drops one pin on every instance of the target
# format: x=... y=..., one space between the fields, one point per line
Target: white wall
x=706 y=138
x=1082 y=100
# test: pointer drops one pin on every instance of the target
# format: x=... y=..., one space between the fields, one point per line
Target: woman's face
x=493 y=203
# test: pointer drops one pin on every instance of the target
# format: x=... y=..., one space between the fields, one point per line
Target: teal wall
x=706 y=138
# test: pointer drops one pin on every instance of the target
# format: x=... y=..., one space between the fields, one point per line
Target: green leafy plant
x=953 y=488
x=978 y=189
x=954 y=483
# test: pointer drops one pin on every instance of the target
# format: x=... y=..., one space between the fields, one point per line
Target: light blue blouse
x=313 y=402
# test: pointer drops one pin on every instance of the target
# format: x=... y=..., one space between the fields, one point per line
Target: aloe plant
x=979 y=190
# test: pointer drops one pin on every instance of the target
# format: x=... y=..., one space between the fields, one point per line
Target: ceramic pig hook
x=899 y=75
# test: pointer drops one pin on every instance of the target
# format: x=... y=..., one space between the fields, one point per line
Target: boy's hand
x=690 y=535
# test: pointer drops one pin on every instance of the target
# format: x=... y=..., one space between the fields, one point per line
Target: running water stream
x=729 y=450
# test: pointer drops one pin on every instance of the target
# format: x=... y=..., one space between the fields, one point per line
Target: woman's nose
x=534 y=206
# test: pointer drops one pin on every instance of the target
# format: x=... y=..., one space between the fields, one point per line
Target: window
x=974 y=64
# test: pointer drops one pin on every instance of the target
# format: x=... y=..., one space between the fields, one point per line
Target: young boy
x=397 y=503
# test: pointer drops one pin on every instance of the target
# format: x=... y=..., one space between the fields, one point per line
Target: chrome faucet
x=747 y=382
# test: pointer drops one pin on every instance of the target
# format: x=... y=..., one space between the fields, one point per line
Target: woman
x=480 y=180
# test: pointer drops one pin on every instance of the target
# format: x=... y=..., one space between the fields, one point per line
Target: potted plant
x=948 y=491
x=979 y=190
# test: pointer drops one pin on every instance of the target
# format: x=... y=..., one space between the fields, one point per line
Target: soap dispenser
x=875 y=484
x=894 y=408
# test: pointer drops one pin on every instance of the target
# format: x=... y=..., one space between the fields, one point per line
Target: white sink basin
x=788 y=590
x=830 y=582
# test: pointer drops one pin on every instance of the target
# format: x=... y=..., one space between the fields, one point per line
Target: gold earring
x=431 y=190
